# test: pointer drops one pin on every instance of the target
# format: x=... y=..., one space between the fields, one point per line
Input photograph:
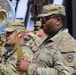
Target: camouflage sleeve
x=57 y=67
x=27 y=53
x=34 y=43
x=7 y=70
x=37 y=39
x=10 y=67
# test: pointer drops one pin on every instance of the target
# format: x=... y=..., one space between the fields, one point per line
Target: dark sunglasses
x=44 y=19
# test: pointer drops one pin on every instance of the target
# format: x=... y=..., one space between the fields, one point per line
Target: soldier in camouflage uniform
x=10 y=57
x=47 y=60
x=53 y=17
x=36 y=38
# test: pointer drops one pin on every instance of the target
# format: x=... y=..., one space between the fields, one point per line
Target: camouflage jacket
x=67 y=45
x=34 y=43
x=47 y=61
x=9 y=64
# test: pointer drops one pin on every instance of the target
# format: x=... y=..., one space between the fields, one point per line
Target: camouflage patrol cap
x=37 y=26
x=52 y=9
x=13 y=25
x=38 y=23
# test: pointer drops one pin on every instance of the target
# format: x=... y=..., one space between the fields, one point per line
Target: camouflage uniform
x=67 y=45
x=35 y=41
x=62 y=39
x=9 y=65
x=47 y=61
x=9 y=57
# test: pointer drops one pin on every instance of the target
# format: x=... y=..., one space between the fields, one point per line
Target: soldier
x=39 y=30
x=47 y=59
x=10 y=57
x=36 y=37
x=53 y=17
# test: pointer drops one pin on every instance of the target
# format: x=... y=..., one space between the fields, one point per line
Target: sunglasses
x=44 y=19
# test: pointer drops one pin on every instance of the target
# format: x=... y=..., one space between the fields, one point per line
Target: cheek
x=50 y=24
x=47 y=26
x=12 y=39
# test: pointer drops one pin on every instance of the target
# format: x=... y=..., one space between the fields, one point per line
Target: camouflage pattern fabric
x=52 y=9
x=15 y=25
x=67 y=45
x=34 y=42
x=47 y=61
x=9 y=68
x=37 y=26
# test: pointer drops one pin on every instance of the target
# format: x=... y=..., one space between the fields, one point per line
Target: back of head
x=14 y=25
x=52 y=9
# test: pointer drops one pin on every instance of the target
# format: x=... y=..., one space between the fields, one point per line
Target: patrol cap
x=38 y=24
x=52 y=9
x=13 y=25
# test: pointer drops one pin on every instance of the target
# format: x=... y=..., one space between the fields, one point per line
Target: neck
x=51 y=35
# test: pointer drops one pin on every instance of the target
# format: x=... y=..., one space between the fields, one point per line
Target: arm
x=7 y=69
x=48 y=67
x=48 y=62
x=34 y=42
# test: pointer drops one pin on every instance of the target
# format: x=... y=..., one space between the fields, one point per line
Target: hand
x=31 y=34
x=22 y=65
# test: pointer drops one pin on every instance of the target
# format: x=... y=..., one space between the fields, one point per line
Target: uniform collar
x=63 y=30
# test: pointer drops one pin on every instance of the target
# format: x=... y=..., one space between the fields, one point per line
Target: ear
x=58 y=21
x=19 y=35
